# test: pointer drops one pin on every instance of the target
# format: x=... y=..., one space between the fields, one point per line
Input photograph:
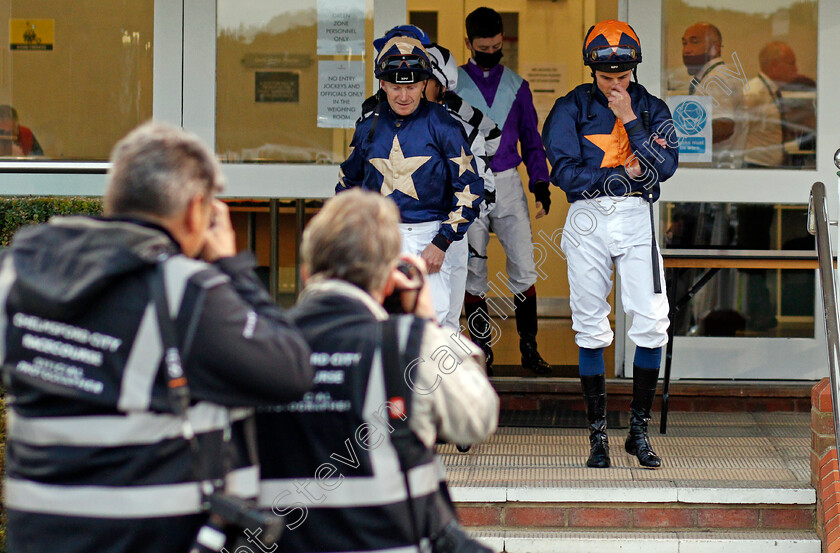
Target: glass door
x=743 y=82
x=74 y=78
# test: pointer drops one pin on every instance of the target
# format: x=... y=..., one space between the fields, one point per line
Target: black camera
x=393 y=302
x=234 y=522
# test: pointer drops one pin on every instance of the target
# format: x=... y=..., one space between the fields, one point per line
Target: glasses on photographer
x=609 y=53
x=403 y=62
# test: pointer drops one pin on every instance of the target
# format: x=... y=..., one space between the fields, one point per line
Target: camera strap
x=395 y=364
x=178 y=389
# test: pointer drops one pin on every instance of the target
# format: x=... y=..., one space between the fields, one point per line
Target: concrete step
x=639 y=506
x=729 y=481
x=529 y=393
x=529 y=541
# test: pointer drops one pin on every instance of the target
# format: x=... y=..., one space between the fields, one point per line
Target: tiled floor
x=708 y=458
x=723 y=451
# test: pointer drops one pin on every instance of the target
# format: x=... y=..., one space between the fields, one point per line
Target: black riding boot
x=638 y=442
x=478 y=323
x=526 y=326
x=595 y=398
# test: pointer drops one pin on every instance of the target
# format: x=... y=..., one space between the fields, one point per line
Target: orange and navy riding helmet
x=612 y=46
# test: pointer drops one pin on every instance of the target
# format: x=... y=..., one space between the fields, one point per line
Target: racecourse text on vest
x=62 y=349
x=66 y=331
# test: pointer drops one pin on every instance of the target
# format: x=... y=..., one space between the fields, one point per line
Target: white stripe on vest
x=384 y=487
x=7 y=277
x=115 y=431
x=115 y=502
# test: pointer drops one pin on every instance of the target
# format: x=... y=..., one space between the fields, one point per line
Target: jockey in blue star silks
x=610 y=143
x=482 y=134
x=412 y=151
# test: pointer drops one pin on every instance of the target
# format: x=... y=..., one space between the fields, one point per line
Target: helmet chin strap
x=376 y=112
x=590 y=94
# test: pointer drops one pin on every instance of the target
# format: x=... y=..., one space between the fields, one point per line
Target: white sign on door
x=341 y=91
x=341 y=27
x=693 y=121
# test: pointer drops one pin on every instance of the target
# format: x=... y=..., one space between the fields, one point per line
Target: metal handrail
x=818 y=226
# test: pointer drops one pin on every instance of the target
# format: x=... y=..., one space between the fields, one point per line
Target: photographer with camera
x=351 y=467
x=126 y=343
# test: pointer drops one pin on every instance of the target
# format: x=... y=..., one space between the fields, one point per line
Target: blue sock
x=648 y=358
x=591 y=361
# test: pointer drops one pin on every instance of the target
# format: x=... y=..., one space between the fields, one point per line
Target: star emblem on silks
x=455 y=218
x=616 y=145
x=397 y=169
x=463 y=162
x=465 y=197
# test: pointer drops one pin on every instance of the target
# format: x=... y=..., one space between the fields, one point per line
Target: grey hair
x=157 y=169
x=355 y=238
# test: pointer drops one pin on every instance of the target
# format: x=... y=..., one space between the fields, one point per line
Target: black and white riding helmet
x=444 y=66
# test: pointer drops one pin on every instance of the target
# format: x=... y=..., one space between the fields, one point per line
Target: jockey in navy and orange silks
x=607 y=142
x=589 y=146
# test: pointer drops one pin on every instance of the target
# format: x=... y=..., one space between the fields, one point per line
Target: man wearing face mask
x=506 y=98
x=710 y=76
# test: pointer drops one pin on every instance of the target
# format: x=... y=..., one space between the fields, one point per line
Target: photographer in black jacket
x=97 y=458
x=351 y=467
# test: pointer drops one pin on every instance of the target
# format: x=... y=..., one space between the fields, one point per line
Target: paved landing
x=707 y=458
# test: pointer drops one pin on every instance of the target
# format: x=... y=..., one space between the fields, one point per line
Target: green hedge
x=17 y=212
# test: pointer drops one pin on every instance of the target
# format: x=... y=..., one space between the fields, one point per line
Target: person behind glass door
x=605 y=153
x=701 y=52
x=765 y=139
x=793 y=97
x=506 y=98
x=764 y=150
x=15 y=139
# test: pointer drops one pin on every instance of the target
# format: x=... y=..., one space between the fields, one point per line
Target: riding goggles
x=392 y=63
x=613 y=53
